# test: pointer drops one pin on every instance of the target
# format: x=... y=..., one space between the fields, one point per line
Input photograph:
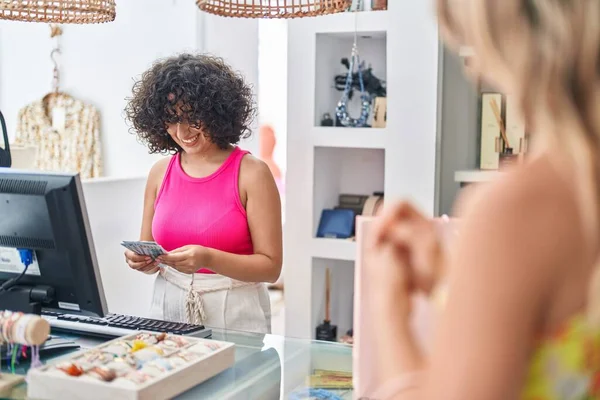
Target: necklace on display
x=365 y=98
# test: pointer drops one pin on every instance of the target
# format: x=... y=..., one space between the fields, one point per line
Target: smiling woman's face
x=189 y=137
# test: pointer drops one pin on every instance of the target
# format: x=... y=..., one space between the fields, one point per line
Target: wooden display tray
x=48 y=383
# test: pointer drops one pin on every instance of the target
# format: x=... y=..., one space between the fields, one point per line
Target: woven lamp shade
x=58 y=11
x=273 y=8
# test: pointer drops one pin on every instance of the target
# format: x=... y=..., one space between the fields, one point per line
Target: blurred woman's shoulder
x=531 y=213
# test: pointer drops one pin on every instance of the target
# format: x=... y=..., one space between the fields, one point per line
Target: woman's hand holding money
x=141 y=263
x=186 y=259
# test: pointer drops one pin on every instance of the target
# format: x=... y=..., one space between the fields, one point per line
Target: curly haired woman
x=212 y=206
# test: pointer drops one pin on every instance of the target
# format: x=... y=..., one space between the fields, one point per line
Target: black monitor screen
x=46 y=213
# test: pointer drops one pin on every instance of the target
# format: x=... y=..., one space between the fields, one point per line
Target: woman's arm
x=263 y=210
x=504 y=277
x=155 y=178
x=135 y=261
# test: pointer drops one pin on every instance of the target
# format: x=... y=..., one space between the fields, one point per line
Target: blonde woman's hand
x=186 y=259
x=406 y=250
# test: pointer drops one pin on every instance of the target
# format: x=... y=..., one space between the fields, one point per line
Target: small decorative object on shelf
x=348 y=338
x=354 y=202
x=336 y=224
x=339 y=222
x=326 y=120
x=502 y=144
x=490 y=132
x=141 y=366
x=272 y=9
x=507 y=158
x=59 y=11
x=380 y=112
x=378 y=5
x=326 y=331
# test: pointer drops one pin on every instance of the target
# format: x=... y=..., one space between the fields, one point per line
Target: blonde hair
x=548 y=53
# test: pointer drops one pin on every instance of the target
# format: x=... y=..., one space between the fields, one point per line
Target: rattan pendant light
x=273 y=8
x=58 y=11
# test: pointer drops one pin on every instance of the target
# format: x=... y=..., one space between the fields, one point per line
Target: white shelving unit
x=401 y=45
x=334 y=249
x=475 y=176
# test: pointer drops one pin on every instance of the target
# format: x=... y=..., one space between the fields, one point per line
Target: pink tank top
x=202 y=211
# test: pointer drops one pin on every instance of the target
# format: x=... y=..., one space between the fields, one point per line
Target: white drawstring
x=194 y=305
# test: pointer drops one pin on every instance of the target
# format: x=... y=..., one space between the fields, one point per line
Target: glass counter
x=266 y=367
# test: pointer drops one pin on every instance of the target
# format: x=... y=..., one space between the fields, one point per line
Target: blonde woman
x=521 y=316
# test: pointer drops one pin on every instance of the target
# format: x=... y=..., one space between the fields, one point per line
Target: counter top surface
x=266 y=366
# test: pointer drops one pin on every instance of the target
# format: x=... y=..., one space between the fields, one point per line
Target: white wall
x=99 y=63
x=236 y=40
x=272 y=90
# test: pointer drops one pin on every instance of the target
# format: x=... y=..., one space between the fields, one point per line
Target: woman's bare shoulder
x=535 y=188
x=531 y=212
x=253 y=169
x=158 y=171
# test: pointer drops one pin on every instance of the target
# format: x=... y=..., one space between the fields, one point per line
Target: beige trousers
x=212 y=300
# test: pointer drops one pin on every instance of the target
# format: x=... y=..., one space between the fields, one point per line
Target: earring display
x=140 y=366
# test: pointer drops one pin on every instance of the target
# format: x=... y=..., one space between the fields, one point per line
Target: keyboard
x=116 y=325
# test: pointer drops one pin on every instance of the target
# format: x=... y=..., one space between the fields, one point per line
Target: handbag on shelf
x=337 y=224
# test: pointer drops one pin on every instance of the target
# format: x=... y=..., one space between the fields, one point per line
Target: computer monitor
x=45 y=212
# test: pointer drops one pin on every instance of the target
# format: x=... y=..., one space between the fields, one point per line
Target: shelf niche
x=342 y=294
x=330 y=49
x=345 y=171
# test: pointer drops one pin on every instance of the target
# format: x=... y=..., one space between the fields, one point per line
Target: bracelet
x=3 y=320
x=6 y=317
x=12 y=320
x=392 y=387
x=21 y=328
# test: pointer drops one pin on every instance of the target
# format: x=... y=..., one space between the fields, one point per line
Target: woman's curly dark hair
x=201 y=90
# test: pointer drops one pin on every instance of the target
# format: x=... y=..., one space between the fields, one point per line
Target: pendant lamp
x=58 y=11
x=273 y=8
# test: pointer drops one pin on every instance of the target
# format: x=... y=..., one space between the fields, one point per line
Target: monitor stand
x=26 y=299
